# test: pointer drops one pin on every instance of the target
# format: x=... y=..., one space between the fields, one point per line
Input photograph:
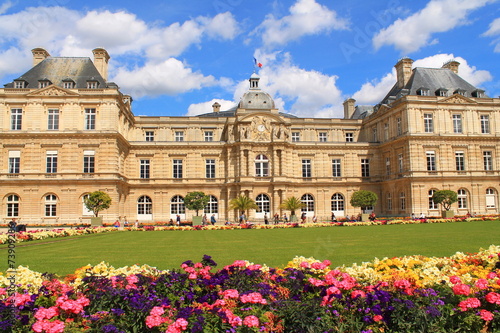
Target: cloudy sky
x=177 y=57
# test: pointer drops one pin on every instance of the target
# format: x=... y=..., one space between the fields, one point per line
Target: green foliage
x=363 y=199
x=445 y=198
x=97 y=201
x=196 y=201
x=292 y=204
x=242 y=203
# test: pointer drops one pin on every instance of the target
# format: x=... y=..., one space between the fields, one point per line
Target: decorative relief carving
x=53 y=92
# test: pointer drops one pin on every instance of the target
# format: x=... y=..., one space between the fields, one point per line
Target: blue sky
x=178 y=57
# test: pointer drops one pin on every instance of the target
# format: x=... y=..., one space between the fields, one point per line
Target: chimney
x=216 y=107
x=349 y=108
x=39 y=55
x=403 y=70
x=452 y=65
x=101 y=58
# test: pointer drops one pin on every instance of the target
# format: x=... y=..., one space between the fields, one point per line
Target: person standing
x=276 y=218
x=178 y=220
x=285 y=218
x=303 y=217
x=204 y=220
x=212 y=219
x=266 y=220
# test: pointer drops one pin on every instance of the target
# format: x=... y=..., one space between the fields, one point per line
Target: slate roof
x=59 y=69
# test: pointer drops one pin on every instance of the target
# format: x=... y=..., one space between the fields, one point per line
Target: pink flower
x=461 y=289
x=254 y=267
x=239 y=263
x=486 y=315
x=55 y=326
x=46 y=313
x=21 y=299
x=153 y=321
x=402 y=284
x=377 y=318
x=454 y=279
x=251 y=321
x=493 y=298
x=157 y=311
x=316 y=282
x=358 y=293
x=482 y=284
x=231 y=293
x=304 y=264
x=469 y=303
x=318 y=265
x=491 y=275
x=333 y=290
x=327 y=262
x=132 y=279
x=255 y=298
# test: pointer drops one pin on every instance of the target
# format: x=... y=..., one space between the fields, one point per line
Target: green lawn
x=274 y=247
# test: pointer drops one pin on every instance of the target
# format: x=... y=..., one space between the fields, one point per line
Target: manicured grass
x=274 y=247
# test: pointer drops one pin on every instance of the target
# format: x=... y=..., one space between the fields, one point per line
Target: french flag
x=258 y=64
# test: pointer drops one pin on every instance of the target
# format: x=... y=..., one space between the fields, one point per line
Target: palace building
x=66 y=131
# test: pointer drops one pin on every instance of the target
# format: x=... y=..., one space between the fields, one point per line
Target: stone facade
x=64 y=136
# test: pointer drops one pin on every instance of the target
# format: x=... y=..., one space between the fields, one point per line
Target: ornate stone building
x=66 y=131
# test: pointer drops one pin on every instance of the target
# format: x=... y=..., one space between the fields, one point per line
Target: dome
x=255 y=98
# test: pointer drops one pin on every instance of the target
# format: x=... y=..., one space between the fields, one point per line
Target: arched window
x=337 y=202
x=12 y=206
x=50 y=205
x=177 y=205
x=491 y=198
x=261 y=166
x=432 y=204
x=212 y=206
x=85 y=210
x=263 y=203
x=144 y=207
x=462 y=198
x=308 y=202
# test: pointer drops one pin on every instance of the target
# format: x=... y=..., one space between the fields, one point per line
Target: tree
x=196 y=201
x=97 y=201
x=292 y=204
x=363 y=199
x=243 y=204
x=445 y=198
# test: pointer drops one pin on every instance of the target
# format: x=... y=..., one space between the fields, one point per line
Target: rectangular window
x=295 y=136
x=92 y=84
x=19 y=84
x=88 y=161
x=365 y=167
x=336 y=168
x=431 y=160
x=90 y=115
x=322 y=136
x=457 y=123
x=14 y=161
x=389 y=201
x=400 y=162
x=485 y=124
x=52 y=161
x=179 y=136
x=209 y=136
x=16 y=119
x=145 y=169
x=386 y=131
x=402 y=200
x=50 y=210
x=150 y=136
x=374 y=134
x=387 y=166
x=68 y=85
x=306 y=168
x=428 y=123
x=53 y=120
x=460 y=160
x=177 y=171
x=399 y=128
x=349 y=137
x=487 y=160
x=210 y=168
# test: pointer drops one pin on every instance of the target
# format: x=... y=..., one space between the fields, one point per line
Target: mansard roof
x=62 y=69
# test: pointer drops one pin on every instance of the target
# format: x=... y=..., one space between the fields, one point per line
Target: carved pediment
x=53 y=91
x=457 y=99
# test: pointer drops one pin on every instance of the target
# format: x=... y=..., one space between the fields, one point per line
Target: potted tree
x=363 y=199
x=242 y=204
x=445 y=198
x=96 y=202
x=196 y=201
x=292 y=204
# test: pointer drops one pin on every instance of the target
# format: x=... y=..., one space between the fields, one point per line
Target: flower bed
x=30 y=235
x=409 y=294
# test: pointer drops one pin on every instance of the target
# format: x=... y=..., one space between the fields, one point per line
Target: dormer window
x=478 y=93
x=460 y=92
x=442 y=92
x=68 y=84
x=423 y=92
x=92 y=84
x=20 y=84
x=44 y=83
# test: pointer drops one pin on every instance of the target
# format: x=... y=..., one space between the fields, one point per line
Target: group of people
x=204 y=219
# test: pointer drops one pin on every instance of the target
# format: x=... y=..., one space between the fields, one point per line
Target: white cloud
x=374 y=91
x=169 y=77
x=5 y=7
x=415 y=32
x=223 y=26
x=206 y=107
x=494 y=31
x=307 y=17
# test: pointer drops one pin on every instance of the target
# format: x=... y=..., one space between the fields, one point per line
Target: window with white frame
x=177 y=169
x=68 y=84
x=386 y=131
x=179 y=136
x=92 y=84
x=51 y=159
x=212 y=206
x=308 y=201
x=209 y=136
x=20 y=84
x=485 y=124
x=53 y=119
x=399 y=128
x=365 y=167
x=12 y=206
x=90 y=118
x=432 y=204
x=85 y=210
x=16 y=119
x=43 y=83
x=349 y=137
x=295 y=136
x=387 y=166
x=261 y=166
x=462 y=198
x=306 y=168
x=88 y=161
x=50 y=205
x=491 y=198
x=149 y=136
x=487 y=160
x=428 y=123
x=145 y=168
x=457 y=123
x=337 y=202
x=336 y=167
x=263 y=203
x=210 y=168
x=460 y=160
x=144 y=206
x=400 y=162
x=431 y=160
x=177 y=205
x=14 y=161
x=322 y=136
x=402 y=200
